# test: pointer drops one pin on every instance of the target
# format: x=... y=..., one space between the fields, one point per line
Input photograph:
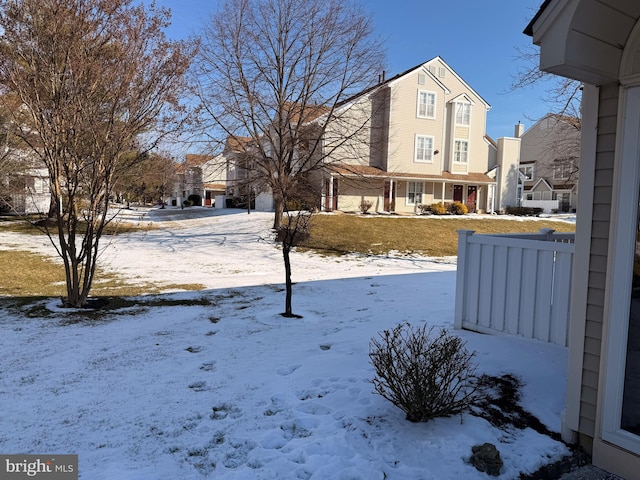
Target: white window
x=426 y=104
x=461 y=151
x=424 y=149
x=463 y=113
x=414 y=193
x=527 y=171
x=422 y=79
x=562 y=169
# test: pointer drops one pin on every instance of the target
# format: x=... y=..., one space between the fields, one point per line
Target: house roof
x=569 y=120
x=411 y=70
x=586 y=40
x=215 y=186
x=236 y=144
x=529 y=28
x=195 y=160
x=366 y=171
x=310 y=112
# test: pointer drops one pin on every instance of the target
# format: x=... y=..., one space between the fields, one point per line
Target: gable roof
x=236 y=144
x=569 y=120
x=196 y=160
x=425 y=68
x=544 y=182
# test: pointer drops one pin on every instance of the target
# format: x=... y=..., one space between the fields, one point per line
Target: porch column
x=391 y=187
x=330 y=193
x=443 y=191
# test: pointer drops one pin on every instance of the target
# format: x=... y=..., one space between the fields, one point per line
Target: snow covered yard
x=227 y=388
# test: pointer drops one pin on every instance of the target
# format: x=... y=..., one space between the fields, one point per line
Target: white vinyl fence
x=517 y=284
x=547 y=206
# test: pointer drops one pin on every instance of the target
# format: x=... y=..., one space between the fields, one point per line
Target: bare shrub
x=365 y=206
x=423 y=374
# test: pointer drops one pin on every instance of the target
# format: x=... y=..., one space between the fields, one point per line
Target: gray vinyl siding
x=600 y=223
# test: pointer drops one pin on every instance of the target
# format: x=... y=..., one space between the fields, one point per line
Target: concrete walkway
x=589 y=472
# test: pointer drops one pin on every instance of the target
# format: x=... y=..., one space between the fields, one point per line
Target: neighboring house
x=425 y=143
x=245 y=187
x=201 y=177
x=212 y=172
x=549 y=153
x=598 y=43
x=24 y=185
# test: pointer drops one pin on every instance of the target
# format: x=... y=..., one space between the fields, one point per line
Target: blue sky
x=477 y=39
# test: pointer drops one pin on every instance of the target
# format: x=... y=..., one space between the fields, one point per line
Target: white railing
x=547 y=206
x=517 y=284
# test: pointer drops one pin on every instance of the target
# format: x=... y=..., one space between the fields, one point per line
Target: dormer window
x=463 y=114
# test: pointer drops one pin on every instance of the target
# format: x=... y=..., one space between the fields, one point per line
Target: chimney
x=519 y=130
x=383 y=75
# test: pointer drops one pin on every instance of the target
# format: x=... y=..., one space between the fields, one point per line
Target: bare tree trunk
x=288 y=309
x=278 y=205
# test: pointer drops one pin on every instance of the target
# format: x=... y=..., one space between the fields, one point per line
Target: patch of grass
x=36 y=226
x=26 y=274
x=431 y=236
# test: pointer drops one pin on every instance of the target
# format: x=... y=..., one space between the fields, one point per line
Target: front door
x=331 y=194
x=457 y=193
x=472 y=194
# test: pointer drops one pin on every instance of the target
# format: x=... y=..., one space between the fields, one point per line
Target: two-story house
x=549 y=155
x=425 y=143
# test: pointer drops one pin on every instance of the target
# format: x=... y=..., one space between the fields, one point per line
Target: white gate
x=518 y=284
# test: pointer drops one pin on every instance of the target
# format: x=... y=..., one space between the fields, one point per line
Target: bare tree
x=279 y=73
x=96 y=81
x=149 y=180
x=563 y=95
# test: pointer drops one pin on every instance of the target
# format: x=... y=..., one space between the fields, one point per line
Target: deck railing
x=518 y=284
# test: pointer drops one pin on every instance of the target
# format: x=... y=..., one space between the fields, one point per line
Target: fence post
x=548 y=233
x=463 y=239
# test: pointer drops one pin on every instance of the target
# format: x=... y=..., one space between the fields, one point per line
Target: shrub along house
x=598 y=43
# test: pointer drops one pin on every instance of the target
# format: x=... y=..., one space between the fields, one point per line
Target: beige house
x=425 y=143
x=201 y=177
x=549 y=154
x=598 y=43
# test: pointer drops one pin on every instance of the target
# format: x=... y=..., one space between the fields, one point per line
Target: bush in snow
x=424 y=374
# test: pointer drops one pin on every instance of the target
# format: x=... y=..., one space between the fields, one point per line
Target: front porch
x=404 y=193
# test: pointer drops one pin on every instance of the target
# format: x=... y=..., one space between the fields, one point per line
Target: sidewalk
x=589 y=472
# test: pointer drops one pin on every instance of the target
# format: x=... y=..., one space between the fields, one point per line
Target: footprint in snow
x=288 y=370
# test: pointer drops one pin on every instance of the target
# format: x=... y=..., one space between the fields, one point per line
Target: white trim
x=628 y=61
x=456 y=106
x=421 y=192
x=622 y=246
x=415 y=148
x=427 y=105
x=459 y=78
x=524 y=167
x=465 y=140
x=580 y=275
